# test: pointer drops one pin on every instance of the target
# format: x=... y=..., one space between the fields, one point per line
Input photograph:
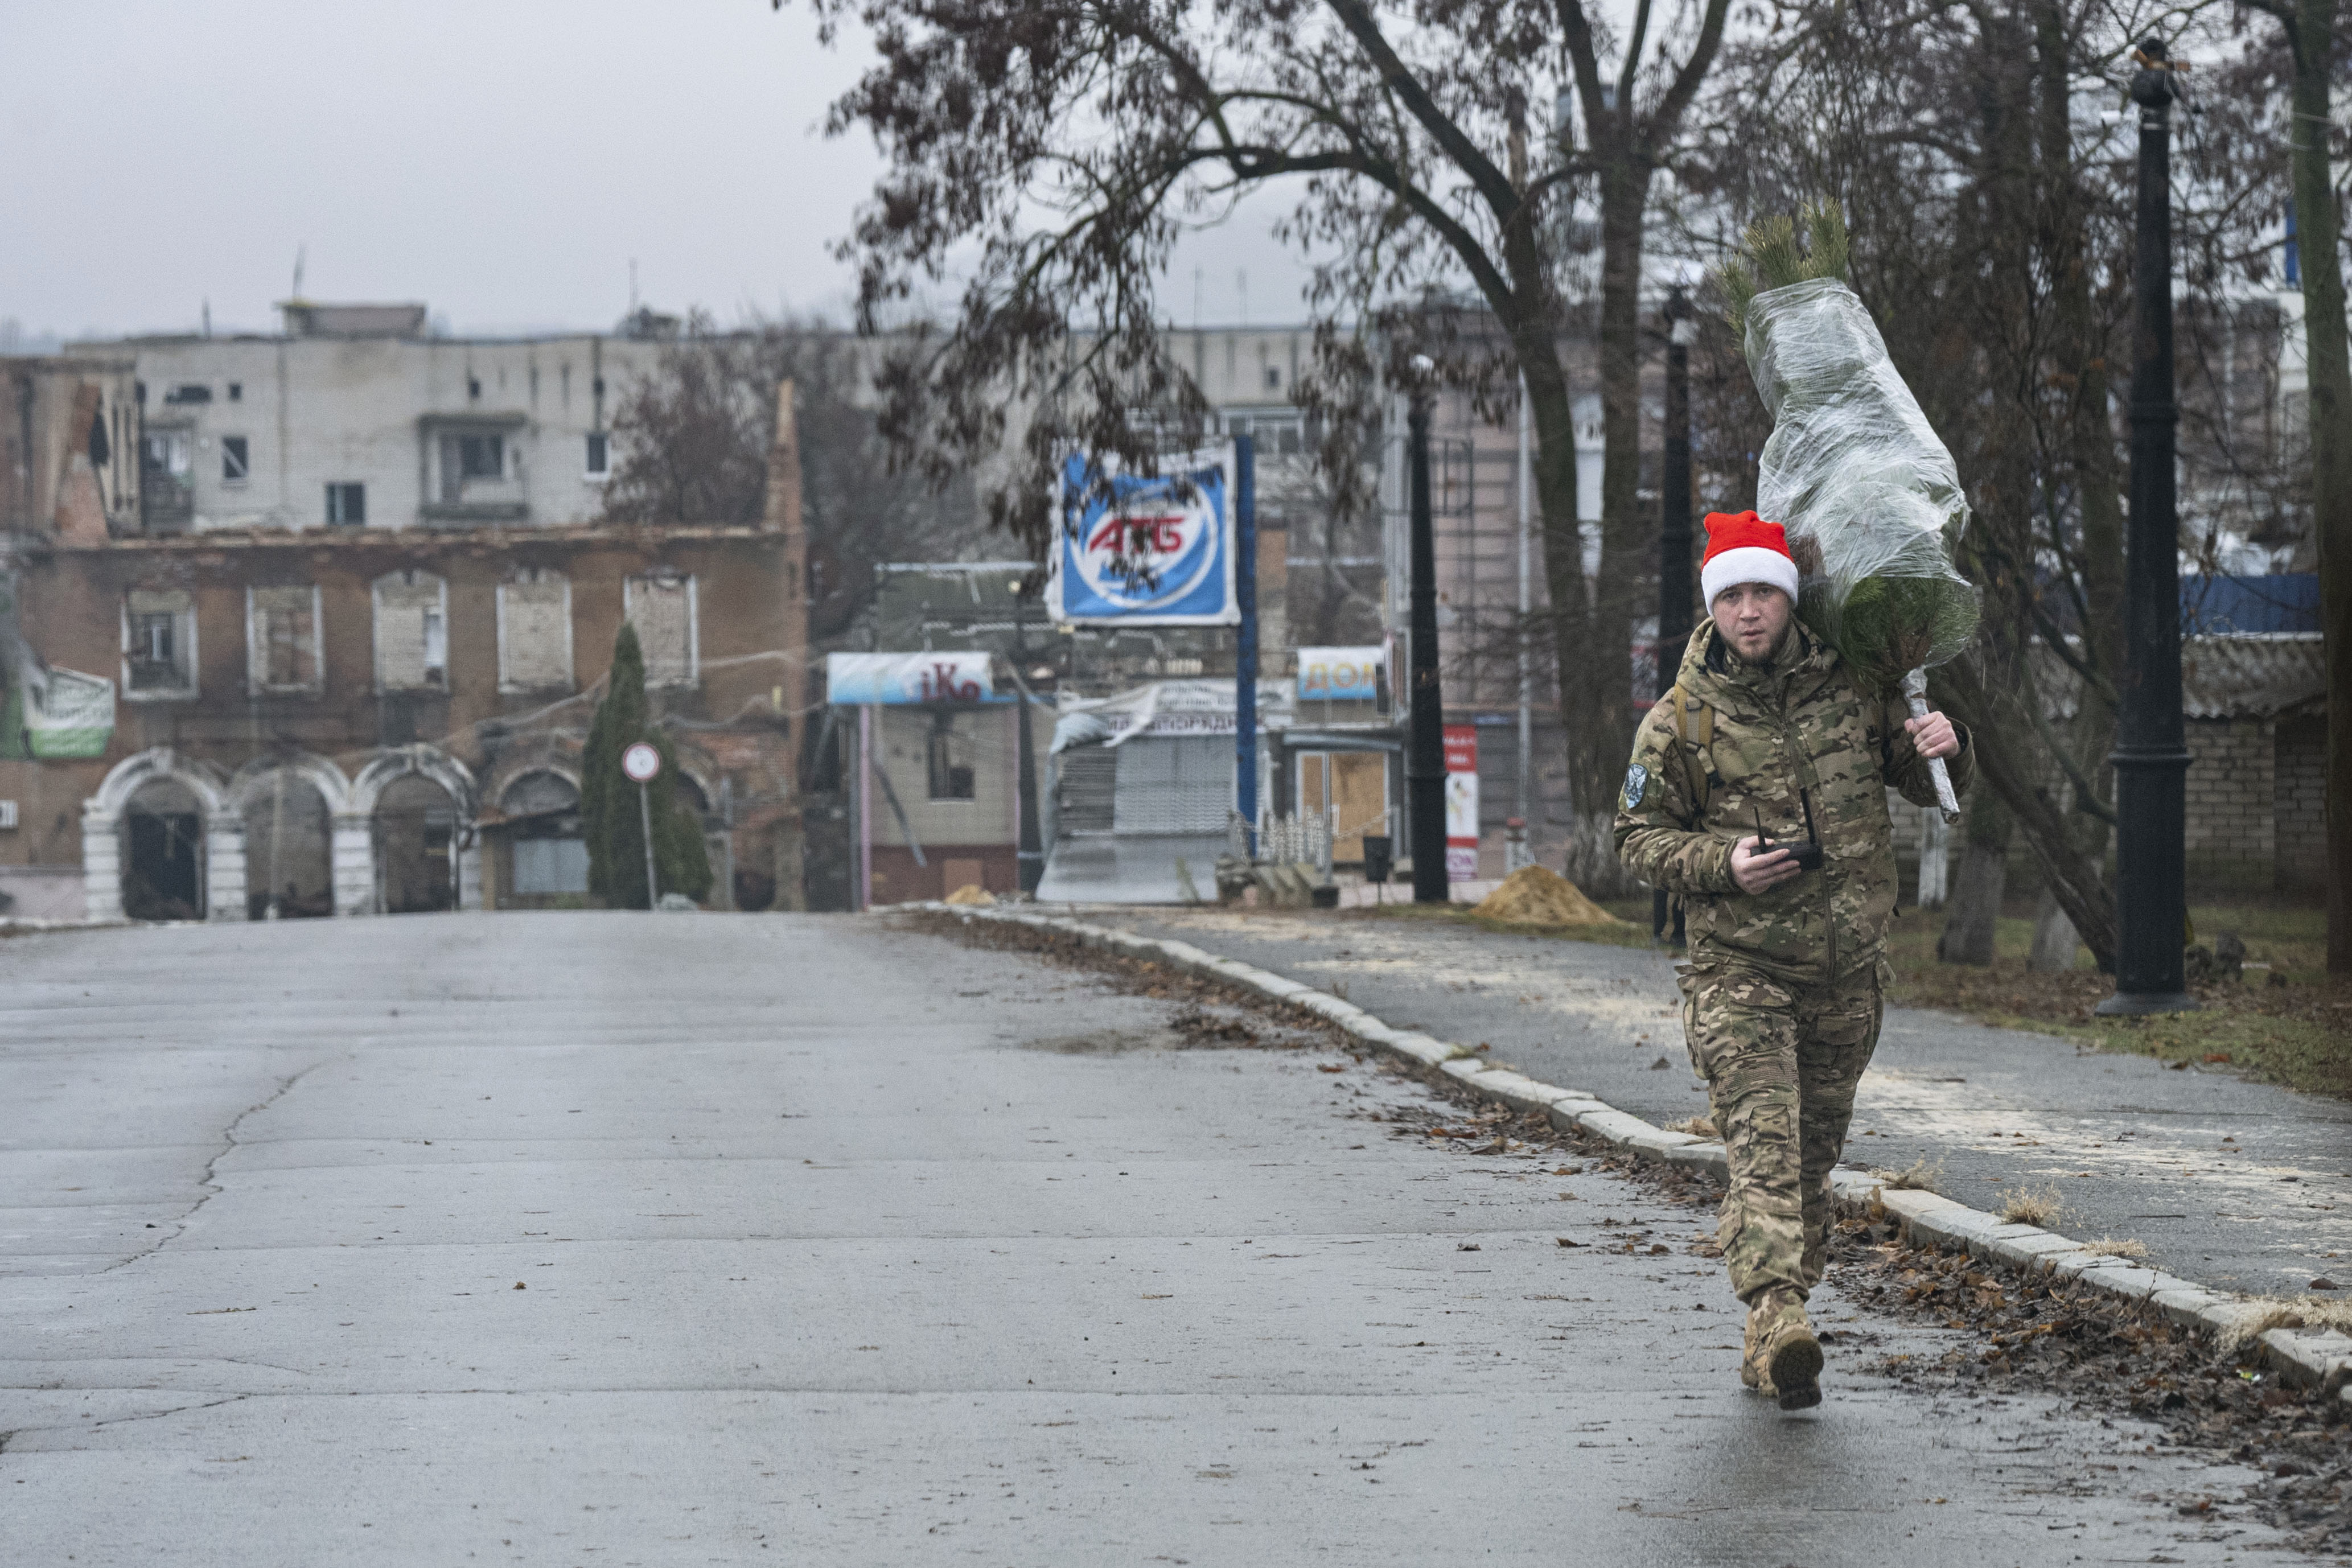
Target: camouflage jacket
x=1800 y=729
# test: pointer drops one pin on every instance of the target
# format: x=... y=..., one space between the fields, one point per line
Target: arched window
x=542 y=821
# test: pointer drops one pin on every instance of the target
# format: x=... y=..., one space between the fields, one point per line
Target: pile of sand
x=971 y=892
x=1535 y=896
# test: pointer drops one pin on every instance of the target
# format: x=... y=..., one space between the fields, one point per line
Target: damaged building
x=316 y=625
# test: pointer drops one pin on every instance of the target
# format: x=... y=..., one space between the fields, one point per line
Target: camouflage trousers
x=1781 y=1062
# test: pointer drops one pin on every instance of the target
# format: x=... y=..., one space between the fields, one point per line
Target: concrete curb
x=12 y=925
x=2299 y=1356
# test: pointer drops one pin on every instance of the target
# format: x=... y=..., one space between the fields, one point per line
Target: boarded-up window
x=535 y=632
x=412 y=631
x=662 y=609
x=282 y=638
x=159 y=643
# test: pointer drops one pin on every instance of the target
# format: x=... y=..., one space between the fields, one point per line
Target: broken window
x=282 y=638
x=412 y=636
x=236 y=464
x=952 y=757
x=167 y=494
x=165 y=455
x=469 y=460
x=159 y=643
x=535 y=632
x=662 y=608
x=600 y=454
x=346 y=504
x=481 y=456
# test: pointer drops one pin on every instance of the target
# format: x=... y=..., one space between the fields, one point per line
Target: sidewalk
x=2240 y=1187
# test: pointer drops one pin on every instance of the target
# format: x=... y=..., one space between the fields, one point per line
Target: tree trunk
x=2091 y=434
x=1624 y=189
x=2054 y=941
x=2318 y=231
x=2078 y=879
x=1977 y=890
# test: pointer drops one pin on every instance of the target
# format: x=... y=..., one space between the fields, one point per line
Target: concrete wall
x=320 y=411
x=49 y=484
x=2231 y=793
x=903 y=749
x=41 y=893
x=2299 y=797
x=2256 y=821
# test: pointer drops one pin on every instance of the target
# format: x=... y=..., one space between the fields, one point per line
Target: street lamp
x=1424 y=765
x=1674 y=532
x=2151 y=755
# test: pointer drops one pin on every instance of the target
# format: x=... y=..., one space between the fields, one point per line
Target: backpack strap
x=1695 y=728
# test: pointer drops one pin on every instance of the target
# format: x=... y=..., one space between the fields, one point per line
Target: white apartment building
x=353 y=417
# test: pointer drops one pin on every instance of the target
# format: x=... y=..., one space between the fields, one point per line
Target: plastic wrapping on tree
x=1869 y=498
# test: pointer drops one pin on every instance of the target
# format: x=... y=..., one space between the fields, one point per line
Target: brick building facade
x=313 y=720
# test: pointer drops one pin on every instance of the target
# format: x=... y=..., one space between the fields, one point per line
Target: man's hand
x=1933 y=735
x=1758 y=873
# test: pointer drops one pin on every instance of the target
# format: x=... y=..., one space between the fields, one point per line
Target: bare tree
x=694 y=440
x=1050 y=153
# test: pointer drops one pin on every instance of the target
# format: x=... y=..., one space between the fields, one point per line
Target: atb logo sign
x=1145 y=551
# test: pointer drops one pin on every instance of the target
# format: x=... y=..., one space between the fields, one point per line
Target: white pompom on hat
x=1743 y=547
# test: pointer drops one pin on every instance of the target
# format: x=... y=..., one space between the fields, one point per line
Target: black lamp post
x=1673 y=534
x=2151 y=755
x=1424 y=762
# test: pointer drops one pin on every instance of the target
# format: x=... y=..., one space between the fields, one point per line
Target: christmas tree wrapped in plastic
x=1869 y=495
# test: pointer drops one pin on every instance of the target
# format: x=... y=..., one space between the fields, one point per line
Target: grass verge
x=2291 y=1032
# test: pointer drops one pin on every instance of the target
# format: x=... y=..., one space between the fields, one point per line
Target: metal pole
x=1324 y=859
x=645 y=825
x=1246 y=652
x=1527 y=607
x=1031 y=854
x=2151 y=755
x=1424 y=770
x=865 y=807
x=1673 y=535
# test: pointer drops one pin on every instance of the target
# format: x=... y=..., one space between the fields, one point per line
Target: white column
x=101 y=863
x=354 y=865
x=225 y=880
x=469 y=868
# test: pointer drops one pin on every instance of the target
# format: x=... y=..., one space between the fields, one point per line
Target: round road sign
x=640 y=762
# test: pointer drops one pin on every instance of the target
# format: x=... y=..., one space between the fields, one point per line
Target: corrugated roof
x=2252 y=675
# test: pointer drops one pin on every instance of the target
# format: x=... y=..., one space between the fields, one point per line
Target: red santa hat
x=1743 y=547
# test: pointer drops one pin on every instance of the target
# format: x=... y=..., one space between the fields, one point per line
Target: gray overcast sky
x=502 y=161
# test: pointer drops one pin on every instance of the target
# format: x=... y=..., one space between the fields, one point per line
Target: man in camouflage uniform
x=1781 y=992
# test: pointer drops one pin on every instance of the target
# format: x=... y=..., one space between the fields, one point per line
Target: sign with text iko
x=1133 y=551
x=908 y=679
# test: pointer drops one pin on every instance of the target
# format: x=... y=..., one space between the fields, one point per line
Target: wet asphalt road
x=610 y=1239
x=2238 y=1185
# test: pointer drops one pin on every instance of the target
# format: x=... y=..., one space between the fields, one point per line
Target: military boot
x=1788 y=1357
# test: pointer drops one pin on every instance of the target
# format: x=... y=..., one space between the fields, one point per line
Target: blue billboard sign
x=1129 y=550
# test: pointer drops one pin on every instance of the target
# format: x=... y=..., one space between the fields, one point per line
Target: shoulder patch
x=1637 y=784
